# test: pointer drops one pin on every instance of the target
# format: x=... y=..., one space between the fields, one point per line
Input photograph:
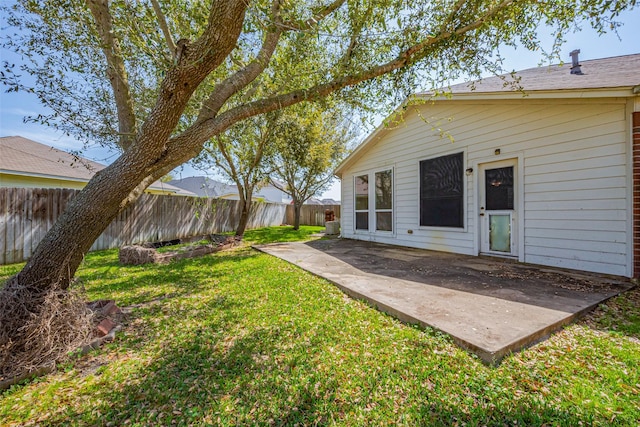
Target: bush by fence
x=26 y=214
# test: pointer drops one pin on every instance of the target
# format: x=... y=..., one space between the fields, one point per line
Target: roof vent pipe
x=575 y=63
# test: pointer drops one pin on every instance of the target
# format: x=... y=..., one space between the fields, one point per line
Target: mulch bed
x=147 y=253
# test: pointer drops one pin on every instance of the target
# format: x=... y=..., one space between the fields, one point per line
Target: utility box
x=329 y=215
x=332 y=227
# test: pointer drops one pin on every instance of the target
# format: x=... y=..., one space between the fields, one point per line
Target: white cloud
x=17 y=111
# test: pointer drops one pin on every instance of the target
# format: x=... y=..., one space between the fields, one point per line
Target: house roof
x=203 y=186
x=615 y=76
x=605 y=73
x=22 y=156
x=26 y=156
x=206 y=187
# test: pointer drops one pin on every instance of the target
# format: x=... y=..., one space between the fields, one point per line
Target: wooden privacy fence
x=26 y=214
x=312 y=214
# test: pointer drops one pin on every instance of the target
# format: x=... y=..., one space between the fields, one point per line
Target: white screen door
x=498 y=202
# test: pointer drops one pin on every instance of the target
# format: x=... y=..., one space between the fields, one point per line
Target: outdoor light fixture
x=497 y=151
x=469 y=171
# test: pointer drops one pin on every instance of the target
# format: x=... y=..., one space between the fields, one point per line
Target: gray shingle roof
x=605 y=73
x=20 y=155
x=204 y=186
x=24 y=155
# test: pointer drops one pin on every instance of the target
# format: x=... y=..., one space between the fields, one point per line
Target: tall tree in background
x=240 y=153
x=160 y=78
x=309 y=144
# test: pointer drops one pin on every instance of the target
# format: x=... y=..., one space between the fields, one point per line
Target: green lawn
x=241 y=338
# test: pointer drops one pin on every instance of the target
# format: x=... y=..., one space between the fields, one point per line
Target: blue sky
x=15 y=106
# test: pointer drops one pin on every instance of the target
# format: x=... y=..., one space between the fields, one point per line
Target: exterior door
x=498 y=201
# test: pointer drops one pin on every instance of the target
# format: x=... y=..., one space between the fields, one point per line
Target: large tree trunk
x=242 y=224
x=28 y=300
x=297 y=206
x=60 y=253
x=245 y=211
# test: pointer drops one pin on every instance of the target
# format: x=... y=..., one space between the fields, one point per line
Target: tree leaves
x=310 y=141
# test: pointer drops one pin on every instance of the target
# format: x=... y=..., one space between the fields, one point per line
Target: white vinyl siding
x=574 y=158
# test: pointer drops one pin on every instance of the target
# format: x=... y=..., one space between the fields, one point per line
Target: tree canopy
x=309 y=141
x=102 y=66
x=241 y=155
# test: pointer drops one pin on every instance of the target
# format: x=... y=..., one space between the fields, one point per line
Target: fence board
x=312 y=214
x=26 y=214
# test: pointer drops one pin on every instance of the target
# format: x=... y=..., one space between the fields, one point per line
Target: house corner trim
x=636 y=193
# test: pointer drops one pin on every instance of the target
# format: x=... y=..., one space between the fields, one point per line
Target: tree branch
x=232 y=172
x=224 y=26
x=320 y=13
x=243 y=77
x=454 y=12
x=162 y=21
x=116 y=71
x=405 y=58
x=238 y=81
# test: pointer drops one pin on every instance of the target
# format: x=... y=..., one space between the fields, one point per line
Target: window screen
x=499 y=188
x=441 y=191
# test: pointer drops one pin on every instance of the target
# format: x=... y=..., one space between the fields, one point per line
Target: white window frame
x=371 y=208
x=356 y=211
x=383 y=210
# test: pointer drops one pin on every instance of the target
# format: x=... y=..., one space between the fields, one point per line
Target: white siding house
x=544 y=177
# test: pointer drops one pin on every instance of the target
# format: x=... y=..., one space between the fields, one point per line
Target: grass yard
x=241 y=338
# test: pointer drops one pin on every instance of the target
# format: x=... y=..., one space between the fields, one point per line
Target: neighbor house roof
x=203 y=186
x=25 y=157
x=615 y=76
x=206 y=187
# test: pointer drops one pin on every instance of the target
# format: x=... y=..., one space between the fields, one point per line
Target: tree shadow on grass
x=209 y=366
x=145 y=283
x=619 y=315
x=251 y=380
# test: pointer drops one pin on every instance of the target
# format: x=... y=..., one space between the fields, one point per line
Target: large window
x=441 y=191
x=362 y=202
x=374 y=203
x=384 y=201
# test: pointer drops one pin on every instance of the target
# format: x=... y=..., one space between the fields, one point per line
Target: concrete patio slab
x=489 y=306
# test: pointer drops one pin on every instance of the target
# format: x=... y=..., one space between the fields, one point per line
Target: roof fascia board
x=42 y=175
x=71 y=179
x=540 y=94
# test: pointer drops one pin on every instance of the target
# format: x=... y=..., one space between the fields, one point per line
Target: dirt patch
x=562 y=280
